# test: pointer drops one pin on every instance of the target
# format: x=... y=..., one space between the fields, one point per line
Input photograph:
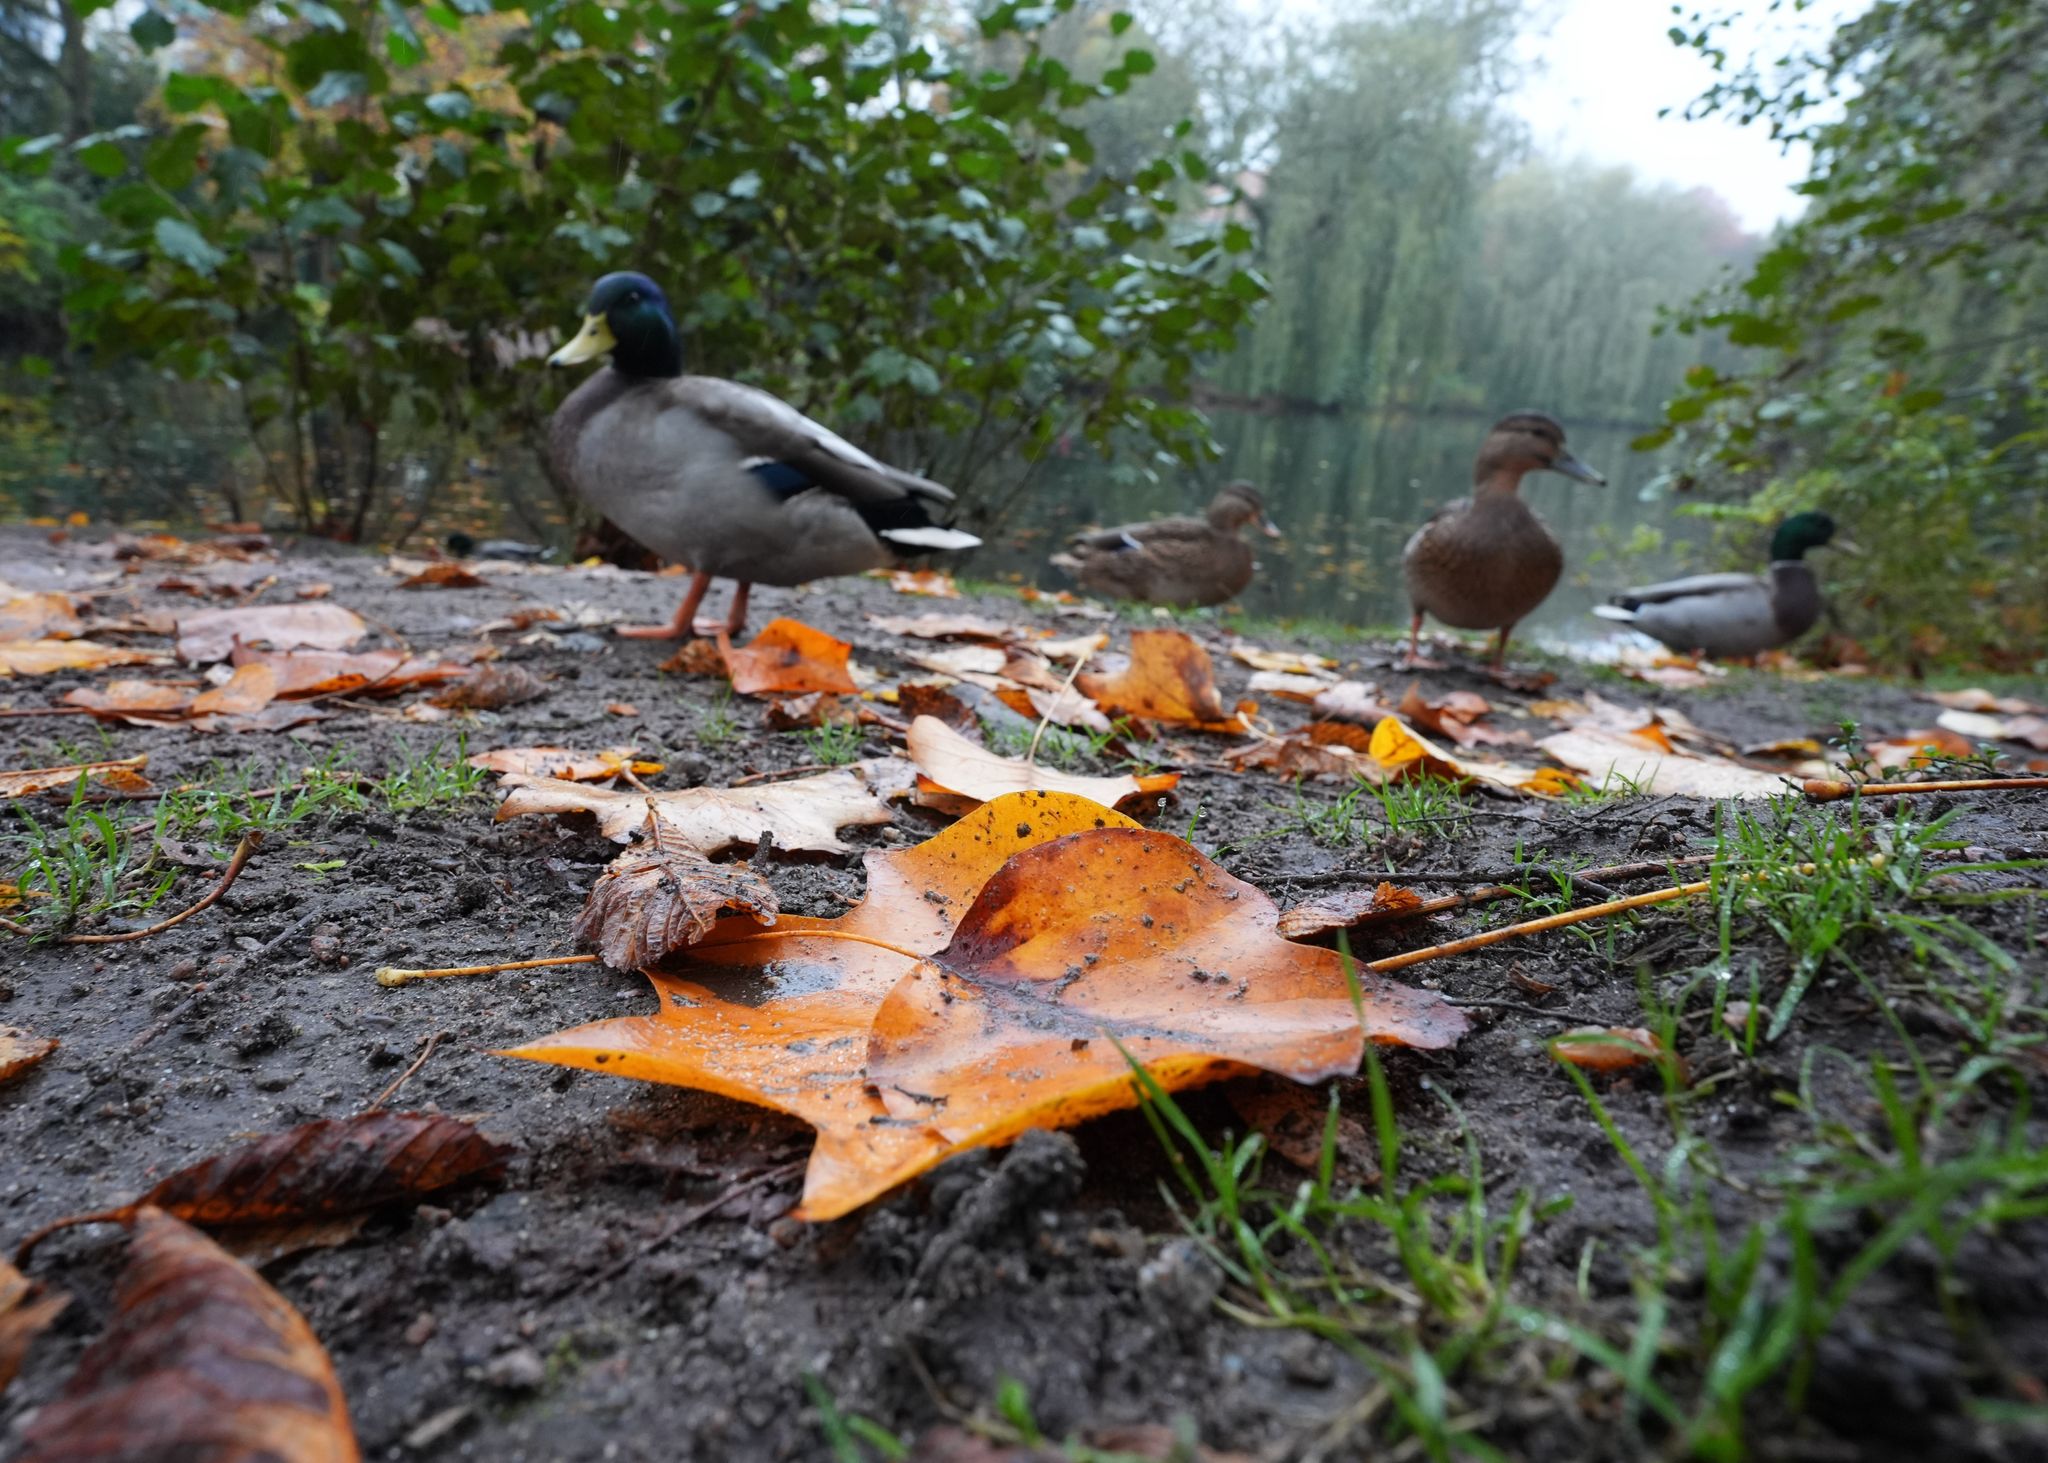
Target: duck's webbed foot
x=684 y=622
x=1414 y=660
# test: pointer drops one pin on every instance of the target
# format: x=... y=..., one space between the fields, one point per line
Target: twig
x=1037 y=732
x=406 y=1076
x=47 y=711
x=394 y=976
x=171 y=1017
x=689 y=1217
x=249 y=844
x=1821 y=790
x=753 y=777
x=1537 y=926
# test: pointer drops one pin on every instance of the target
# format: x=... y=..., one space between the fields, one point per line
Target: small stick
x=270 y=947
x=687 y=1218
x=395 y=976
x=249 y=844
x=754 y=777
x=1536 y=926
x=406 y=1076
x=48 y=711
x=1821 y=790
x=1031 y=752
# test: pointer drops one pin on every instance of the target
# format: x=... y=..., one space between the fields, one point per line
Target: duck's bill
x=1571 y=467
x=1269 y=528
x=593 y=340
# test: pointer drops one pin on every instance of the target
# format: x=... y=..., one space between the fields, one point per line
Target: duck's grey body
x=735 y=483
x=1724 y=615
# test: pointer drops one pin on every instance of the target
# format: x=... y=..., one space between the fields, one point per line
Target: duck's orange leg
x=1415 y=662
x=736 y=617
x=685 y=617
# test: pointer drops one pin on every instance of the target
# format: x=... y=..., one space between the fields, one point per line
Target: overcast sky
x=1602 y=69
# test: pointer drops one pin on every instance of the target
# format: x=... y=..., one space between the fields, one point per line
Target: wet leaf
x=1169 y=678
x=44 y=657
x=123 y=775
x=1458 y=717
x=1333 y=750
x=303 y=673
x=654 y=900
x=491 y=688
x=20 y=1051
x=1400 y=750
x=44 y=615
x=915 y=700
x=26 y=1310
x=1284 y=662
x=1347 y=909
x=1615 y=761
x=248 y=691
x=1293 y=1120
x=783 y=1021
x=201 y=1360
x=949 y=764
x=935 y=583
x=444 y=576
x=1607 y=1048
x=1976 y=698
x=948 y=627
x=816 y=709
x=1120 y=937
x=695 y=658
x=788 y=658
x=565 y=765
x=209 y=635
x=803 y=814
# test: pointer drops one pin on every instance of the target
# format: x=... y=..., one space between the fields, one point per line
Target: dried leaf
x=1981 y=727
x=1347 y=909
x=1304 y=689
x=816 y=709
x=933 y=582
x=1115 y=941
x=1400 y=750
x=209 y=635
x=654 y=900
x=43 y=657
x=1169 y=679
x=1357 y=701
x=444 y=576
x=43 y=615
x=1607 y=1048
x=951 y=764
x=803 y=814
x=491 y=688
x=1332 y=750
x=1293 y=1120
x=1976 y=698
x=783 y=1021
x=695 y=658
x=566 y=765
x=915 y=699
x=124 y=775
x=1285 y=662
x=26 y=1310
x=248 y=691
x=1456 y=716
x=789 y=657
x=621 y=708
x=303 y=673
x=202 y=1360
x=20 y=1051
x=1612 y=761
x=1064 y=707
x=948 y=627
x=962 y=661
x=1919 y=748
x=140 y=703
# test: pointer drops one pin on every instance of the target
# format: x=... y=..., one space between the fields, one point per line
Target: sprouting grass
x=833 y=744
x=82 y=865
x=1421 y=807
x=718 y=725
x=430 y=779
x=1067 y=748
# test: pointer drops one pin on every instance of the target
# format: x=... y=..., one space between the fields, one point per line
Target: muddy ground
x=590 y=1305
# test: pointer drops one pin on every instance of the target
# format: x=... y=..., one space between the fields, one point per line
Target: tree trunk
x=74 y=72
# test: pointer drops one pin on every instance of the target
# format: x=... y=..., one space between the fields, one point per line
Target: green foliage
x=382 y=218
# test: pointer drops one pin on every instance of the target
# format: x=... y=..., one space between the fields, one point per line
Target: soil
x=630 y=1288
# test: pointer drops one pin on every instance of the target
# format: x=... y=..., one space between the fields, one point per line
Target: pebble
x=517 y=1370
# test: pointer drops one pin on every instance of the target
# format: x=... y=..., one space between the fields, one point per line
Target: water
x=1348 y=491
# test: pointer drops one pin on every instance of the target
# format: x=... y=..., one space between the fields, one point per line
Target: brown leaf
x=43 y=657
x=1170 y=679
x=491 y=688
x=949 y=627
x=1347 y=909
x=43 y=615
x=951 y=764
x=320 y=589
x=303 y=673
x=251 y=688
x=1401 y=751
x=816 y=709
x=1614 y=760
x=1293 y=1119
x=1064 y=706
x=935 y=583
x=781 y=1017
x=1115 y=941
x=1976 y=698
x=209 y=635
x=654 y=900
x=19 y=1051
x=803 y=814
x=788 y=657
x=621 y=708
x=914 y=700
x=1357 y=701
x=1607 y=1048
x=695 y=658
x=1524 y=981
x=139 y=703
x=444 y=576
x=202 y=1360
x=26 y=1310
x=1456 y=716
x=1334 y=750
x=566 y=765
x=124 y=775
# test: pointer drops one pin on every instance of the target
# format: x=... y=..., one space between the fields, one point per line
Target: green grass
x=1371 y=813
x=83 y=864
x=833 y=744
x=717 y=725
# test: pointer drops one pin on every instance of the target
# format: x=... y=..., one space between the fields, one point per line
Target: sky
x=1601 y=70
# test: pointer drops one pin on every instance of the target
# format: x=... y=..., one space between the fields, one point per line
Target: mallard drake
x=1728 y=615
x=1484 y=562
x=1173 y=561
x=508 y=550
x=721 y=477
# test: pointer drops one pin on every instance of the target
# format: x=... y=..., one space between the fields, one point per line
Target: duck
x=1484 y=562
x=723 y=478
x=1728 y=616
x=1173 y=561
x=506 y=550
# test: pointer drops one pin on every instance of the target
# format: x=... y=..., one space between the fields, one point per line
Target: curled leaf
x=949 y=764
x=20 y=1051
x=565 y=764
x=789 y=657
x=805 y=813
x=491 y=688
x=26 y=1310
x=122 y=775
x=1607 y=1048
x=1170 y=679
x=1347 y=909
x=213 y=634
x=655 y=900
x=44 y=615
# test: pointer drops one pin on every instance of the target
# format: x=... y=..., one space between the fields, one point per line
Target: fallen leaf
x=140 y=703
x=1613 y=761
x=202 y=1360
x=915 y=699
x=695 y=658
x=933 y=582
x=26 y=1309
x=1607 y=1048
x=1919 y=748
x=1357 y=701
x=1457 y=716
x=789 y=657
x=654 y=900
x=1402 y=751
x=318 y=590
x=948 y=763
x=43 y=657
x=444 y=576
x=783 y=1021
x=1064 y=707
x=1790 y=749
x=816 y=709
x=1115 y=941
x=621 y=708
x=1294 y=1119
x=491 y=688
x=209 y=635
x=567 y=765
x=948 y=627
x=43 y=615
x=19 y=1051
x=1981 y=727
x=1347 y=909
x=248 y=691
x=1287 y=687
x=1286 y=662
x=961 y=661
x=1524 y=981
x=124 y=775
x=1976 y=698
x=1169 y=678
x=1333 y=750
x=803 y=814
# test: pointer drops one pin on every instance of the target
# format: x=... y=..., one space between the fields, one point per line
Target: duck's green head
x=1803 y=531
x=627 y=316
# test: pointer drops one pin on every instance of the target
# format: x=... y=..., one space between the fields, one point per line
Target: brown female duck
x=1173 y=561
x=1484 y=562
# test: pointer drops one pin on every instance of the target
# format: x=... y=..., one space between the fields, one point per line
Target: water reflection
x=1349 y=490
